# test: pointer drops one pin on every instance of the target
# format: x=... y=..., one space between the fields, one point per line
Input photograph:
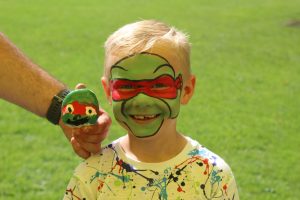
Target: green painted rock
x=80 y=107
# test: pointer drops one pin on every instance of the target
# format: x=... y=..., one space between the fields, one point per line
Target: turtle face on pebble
x=80 y=108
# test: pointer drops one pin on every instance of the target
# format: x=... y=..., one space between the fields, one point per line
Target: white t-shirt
x=195 y=173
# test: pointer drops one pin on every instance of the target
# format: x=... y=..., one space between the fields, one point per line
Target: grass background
x=246 y=106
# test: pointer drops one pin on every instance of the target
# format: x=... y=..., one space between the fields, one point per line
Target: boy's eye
x=126 y=87
x=159 y=86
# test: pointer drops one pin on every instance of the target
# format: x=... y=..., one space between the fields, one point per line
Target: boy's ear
x=106 y=88
x=188 y=89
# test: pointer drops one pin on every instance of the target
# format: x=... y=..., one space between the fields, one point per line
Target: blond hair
x=143 y=35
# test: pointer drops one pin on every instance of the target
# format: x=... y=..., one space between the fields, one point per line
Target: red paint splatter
x=194 y=159
x=119 y=163
x=72 y=194
x=205 y=161
x=179 y=189
x=101 y=184
x=225 y=187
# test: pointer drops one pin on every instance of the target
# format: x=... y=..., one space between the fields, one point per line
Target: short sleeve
x=81 y=186
x=232 y=189
x=217 y=181
x=229 y=185
x=77 y=189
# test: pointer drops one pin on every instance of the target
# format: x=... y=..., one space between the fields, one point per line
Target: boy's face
x=146 y=91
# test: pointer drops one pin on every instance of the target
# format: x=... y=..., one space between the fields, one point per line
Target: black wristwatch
x=54 y=110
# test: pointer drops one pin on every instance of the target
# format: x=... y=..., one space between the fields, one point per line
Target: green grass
x=246 y=106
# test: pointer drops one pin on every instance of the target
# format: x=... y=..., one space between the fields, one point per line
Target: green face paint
x=80 y=107
x=145 y=91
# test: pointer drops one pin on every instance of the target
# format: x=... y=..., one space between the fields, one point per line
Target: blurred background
x=245 y=54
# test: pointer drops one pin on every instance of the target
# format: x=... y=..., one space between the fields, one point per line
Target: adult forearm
x=24 y=83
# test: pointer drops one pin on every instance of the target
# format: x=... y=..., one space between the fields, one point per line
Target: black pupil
x=90 y=111
x=70 y=109
x=159 y=85
x=126 y=87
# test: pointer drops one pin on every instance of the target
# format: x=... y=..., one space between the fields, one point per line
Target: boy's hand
x=87 y=139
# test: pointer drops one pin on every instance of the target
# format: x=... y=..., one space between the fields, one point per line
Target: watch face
x=80 y=107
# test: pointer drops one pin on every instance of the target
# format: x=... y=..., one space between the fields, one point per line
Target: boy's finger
x=104 y=118
x=103 y=124
x=93 y=133
x=100 y=128
x=79 y=150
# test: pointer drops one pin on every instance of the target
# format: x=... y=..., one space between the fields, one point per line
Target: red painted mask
x=163 y=86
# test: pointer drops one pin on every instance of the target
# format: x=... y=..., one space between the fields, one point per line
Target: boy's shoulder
x=194 y=154
x=194 y=151
x=205 y=156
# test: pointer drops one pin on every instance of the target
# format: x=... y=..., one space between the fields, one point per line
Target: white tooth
x=139 y=117
x=142 y=117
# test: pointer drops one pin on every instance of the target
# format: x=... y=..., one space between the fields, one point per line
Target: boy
x=146 y=78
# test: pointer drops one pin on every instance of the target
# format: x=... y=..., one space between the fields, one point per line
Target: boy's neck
x=166 y=144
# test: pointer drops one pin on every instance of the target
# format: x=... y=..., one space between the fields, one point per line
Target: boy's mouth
x=144 y=117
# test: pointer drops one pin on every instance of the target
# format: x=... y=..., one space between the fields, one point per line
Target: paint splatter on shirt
x=195 y=173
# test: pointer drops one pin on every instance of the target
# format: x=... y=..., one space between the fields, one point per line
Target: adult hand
x=87 y=139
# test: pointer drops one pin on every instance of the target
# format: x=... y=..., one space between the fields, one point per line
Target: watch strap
x=54 y=110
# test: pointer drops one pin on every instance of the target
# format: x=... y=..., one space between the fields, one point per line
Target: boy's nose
x=142 y=101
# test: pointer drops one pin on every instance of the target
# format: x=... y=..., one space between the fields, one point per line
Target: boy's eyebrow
x=117 y=66
x=164 y=65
